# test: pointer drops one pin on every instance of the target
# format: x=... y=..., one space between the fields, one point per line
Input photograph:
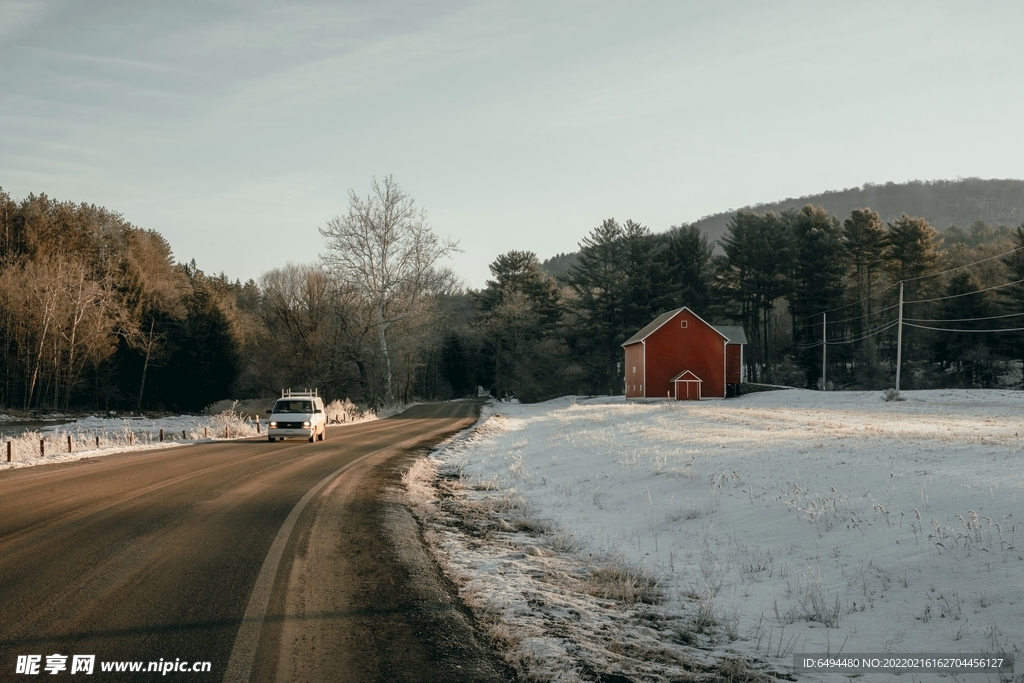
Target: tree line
x=96 y=314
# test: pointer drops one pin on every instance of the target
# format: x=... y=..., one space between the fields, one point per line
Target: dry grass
x=616 y=580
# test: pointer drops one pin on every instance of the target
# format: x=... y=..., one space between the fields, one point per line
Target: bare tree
x=386 y=253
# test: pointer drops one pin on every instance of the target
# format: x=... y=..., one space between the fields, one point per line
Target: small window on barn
x=682 y=323
x=634 y=369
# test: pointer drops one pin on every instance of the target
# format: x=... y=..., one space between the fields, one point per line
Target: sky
x=237 y=129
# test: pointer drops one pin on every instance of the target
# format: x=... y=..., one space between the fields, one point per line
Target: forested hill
x=943 y=203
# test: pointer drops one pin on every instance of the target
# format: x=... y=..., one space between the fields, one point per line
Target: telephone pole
x=824 y=344
x=899 y=340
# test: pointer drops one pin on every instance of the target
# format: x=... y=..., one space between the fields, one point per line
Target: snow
x=121 y=435
x=776 y=524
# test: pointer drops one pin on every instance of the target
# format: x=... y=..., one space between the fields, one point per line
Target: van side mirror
x=270 y=412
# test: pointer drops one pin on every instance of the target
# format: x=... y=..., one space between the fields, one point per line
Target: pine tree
x=689 y=266
x=913 y=252
x=755 y=274
x=1013 y=298
x=519 y=309
x=818 y=278
x=865 y=240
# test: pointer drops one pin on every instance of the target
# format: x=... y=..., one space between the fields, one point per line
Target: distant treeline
x=952 y=206
x=96 y=314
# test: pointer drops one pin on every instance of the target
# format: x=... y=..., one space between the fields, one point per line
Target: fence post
x=206 y=432
x=161 y=435
x=97 y=442
x=225 y=431
x=10 y=447
x=257 y=425
x=131 y=438
x=42 y=448
x=69 y=443
x=182 y=434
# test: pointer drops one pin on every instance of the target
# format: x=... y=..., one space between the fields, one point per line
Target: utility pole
x=899 y=340
x=824 y=344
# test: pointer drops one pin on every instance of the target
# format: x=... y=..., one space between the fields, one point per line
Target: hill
x=944 y=203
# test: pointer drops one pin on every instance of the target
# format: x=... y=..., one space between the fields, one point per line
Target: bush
x=891 y=394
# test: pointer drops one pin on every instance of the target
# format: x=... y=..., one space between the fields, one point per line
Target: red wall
x=671 y=349
x=635 y=380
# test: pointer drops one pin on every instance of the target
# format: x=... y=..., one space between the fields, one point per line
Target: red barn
x=679 y=355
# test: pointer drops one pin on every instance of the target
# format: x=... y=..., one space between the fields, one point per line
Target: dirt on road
x=364 y=600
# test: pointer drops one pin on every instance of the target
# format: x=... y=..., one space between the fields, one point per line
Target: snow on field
x=777 y=524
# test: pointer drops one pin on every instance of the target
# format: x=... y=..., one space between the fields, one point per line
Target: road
x=288 y=561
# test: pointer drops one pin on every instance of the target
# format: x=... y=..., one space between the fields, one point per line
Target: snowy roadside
x=715 y=540
x=93 y=436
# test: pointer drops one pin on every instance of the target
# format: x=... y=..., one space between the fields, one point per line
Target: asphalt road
x=263 y=559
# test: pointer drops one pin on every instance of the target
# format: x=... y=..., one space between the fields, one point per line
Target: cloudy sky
x=236 y=129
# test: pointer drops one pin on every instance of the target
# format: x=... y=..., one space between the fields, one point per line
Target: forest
x=96 y=314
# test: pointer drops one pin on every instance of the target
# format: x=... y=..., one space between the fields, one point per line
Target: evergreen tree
x=519 y=310
x=1013 y=298
x=599 y=282
x=865 y=240
x=756 y=273
x=967 y=355
x=818 y=279
x=690 y=269
x=913 y=252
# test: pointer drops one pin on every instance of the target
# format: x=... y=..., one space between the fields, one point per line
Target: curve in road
x=154 y=557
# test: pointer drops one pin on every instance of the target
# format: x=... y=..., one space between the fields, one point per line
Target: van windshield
x=293 y=407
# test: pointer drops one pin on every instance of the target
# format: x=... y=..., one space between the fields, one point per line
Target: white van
x=298 y=414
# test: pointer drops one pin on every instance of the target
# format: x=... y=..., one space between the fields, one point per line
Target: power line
x=968 y=265
x=955 y=296
x=946 y=329
x=961 y=320
x=861 y=337
x=860 y=317
x=911 y=279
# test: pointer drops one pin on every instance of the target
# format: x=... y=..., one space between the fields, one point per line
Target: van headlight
x=306 y=423
x=273 y=423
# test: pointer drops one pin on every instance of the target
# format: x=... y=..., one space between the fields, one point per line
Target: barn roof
x=649 y=329
x=682 y=377
x=734 y=333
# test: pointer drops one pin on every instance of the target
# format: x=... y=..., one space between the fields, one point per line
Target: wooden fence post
x=69 y=443
x=42 y=448
x=206 y=432
x=161 y=435
x=97 y=442
x=225 y=431
x=10 y=448
x=131 y=438
x=182 y=434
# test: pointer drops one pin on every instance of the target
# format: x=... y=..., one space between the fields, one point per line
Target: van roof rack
x=305 y=393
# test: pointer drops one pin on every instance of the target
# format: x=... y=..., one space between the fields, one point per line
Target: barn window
x=682 y=323
x=634 y=369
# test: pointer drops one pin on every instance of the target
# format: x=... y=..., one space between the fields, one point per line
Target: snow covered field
x=652 y=540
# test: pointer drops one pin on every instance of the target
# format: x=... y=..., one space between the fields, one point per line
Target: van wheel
x=323 y=434
x=312 y=437
x=270 y=439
